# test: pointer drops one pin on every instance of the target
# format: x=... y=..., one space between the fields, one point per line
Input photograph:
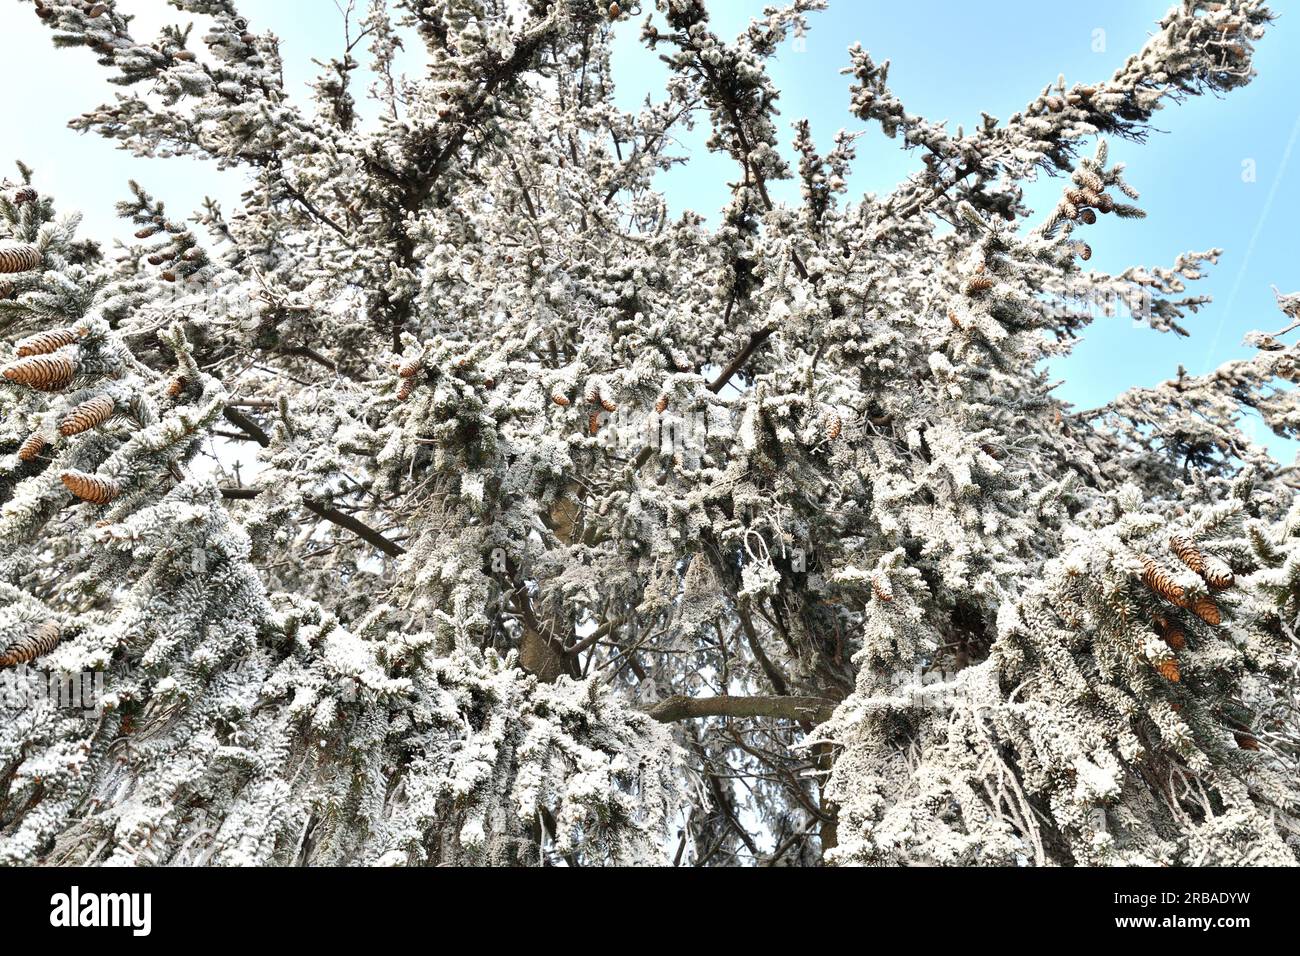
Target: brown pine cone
x=91 y=488
x=1162 y=582
x=32 y=447
x=1207 y=611
x=43 y=343
x=87 y=415
x=41 y=641
x=16 y=258
x=44 y=373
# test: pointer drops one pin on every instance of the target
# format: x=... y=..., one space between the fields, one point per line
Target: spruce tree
x=582 y=533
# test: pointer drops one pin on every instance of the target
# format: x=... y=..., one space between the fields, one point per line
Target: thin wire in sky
x=1250 y=247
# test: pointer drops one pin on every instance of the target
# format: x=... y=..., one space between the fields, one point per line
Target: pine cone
x=881 y=587
x=32 y=447
x=24 y=195
x=661 y=406
x=1207 y=611
x=405 y=390
x=19 y=258
x=834 y=426
x=41 y=641
x=6 y=289
x=1187 y=553
x=1170 y=633
x=593 y=423
x=44 y=373
x=1162 y=582
x=91 y=488
x=1168 y=669
x=1216 y=574
x=609 y=406
x=978 y=284
x=1088 y=216
x=1089 y=180
x=1245 y=740
x=176 y=386
x=1083 y=251
x=43 y=343
x=87 y=415
x=410 y=369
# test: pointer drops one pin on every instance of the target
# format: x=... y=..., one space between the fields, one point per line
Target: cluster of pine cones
x=45 y=363
x=1217 y=577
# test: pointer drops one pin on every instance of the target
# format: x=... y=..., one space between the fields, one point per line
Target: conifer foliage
x=452 y=502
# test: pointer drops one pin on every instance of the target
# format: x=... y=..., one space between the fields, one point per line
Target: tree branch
x=346 y=521
x=782 y=708
x=343 y=520
x=755 y=340
x=247 y=425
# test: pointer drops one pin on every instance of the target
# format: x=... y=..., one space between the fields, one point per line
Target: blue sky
x=950 y=60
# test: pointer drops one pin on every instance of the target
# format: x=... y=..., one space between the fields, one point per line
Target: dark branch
x=782 y=708
x=343 y=520
x=755 y=340
x=247 y=425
